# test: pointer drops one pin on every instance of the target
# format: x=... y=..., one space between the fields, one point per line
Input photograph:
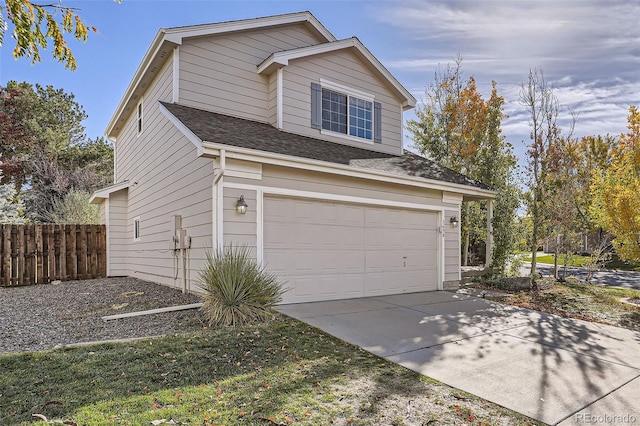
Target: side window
x=140 y=117
x=136 y=229
x=345 y=111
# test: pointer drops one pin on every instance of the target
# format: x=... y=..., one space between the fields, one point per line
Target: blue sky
x=589 y=50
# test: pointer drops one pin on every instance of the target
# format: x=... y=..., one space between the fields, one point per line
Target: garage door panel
x=332 y=250
x=398 y=239
x=326 y=262
x=304 y=289
x=397 y=282
x=338 y=237
x=379 y=261
x=277 y=261
x=317 y=262
x=332 y=213
x=277 y=235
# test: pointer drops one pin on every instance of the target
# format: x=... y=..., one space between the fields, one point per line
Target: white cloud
x=589 y=51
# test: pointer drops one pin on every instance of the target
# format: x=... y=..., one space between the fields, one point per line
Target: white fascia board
x=213 y=150
x=103 y=194
x=281 y=59
x=177 y=34
x=149 y=56
x=193 y=138
x=410 y=101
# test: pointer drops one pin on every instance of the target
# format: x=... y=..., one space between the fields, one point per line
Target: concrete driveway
x=553 y=369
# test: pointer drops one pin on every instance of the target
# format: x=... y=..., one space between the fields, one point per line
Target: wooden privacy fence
x=39 y=254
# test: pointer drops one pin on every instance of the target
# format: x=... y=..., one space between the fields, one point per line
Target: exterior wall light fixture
x=241 y=205
x=454 y=221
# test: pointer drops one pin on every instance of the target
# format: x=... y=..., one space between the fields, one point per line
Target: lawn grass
x=279 y=373
x=579 y=261
x=589 y=302
x=575 y=260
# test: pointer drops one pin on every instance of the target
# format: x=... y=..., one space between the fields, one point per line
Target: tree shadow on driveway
x=544 y=366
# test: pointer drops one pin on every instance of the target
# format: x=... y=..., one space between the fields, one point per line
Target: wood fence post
x=102 y=250
x=72 y=266
x=21 y=260
x=62 y=258
x=83 y=264
x=51 y=251
x=38 y=253
x=6 y=254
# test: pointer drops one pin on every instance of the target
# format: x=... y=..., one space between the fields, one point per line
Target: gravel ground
x=42 y=317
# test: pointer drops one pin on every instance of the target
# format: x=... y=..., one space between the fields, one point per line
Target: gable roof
x=167 y=39
x=280 y=59
x=226 y=130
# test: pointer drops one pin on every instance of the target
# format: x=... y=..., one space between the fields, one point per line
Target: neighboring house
x=307 y=131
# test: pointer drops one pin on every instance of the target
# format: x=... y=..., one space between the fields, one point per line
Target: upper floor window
x=342 y=110
x=347 y=114
x=140 y=117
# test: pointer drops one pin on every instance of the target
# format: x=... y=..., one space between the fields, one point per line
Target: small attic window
x=136 y=229
x=140 y=114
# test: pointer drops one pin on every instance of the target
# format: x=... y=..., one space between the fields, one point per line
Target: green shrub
x=238 y=290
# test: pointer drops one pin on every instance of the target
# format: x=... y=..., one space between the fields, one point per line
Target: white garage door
x=328 y=250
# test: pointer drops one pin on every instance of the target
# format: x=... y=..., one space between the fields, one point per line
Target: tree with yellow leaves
x=459 y=129
x=34 y=26
x=616 y=192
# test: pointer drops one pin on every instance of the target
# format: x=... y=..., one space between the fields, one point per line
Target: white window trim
x=136 y=227
x=346 y=136
x=346 y=90
x=349 y=92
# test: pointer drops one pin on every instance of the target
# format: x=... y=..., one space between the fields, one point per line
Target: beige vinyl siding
x=118 y=233
x=167 y=179
x=344 y=68
x=102 y=211
x=239 y=229
x=219 y=73
x=452 y=248
x=302 y=180
x=272 y=100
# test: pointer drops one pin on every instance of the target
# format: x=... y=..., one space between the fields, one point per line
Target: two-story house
x=272 y=133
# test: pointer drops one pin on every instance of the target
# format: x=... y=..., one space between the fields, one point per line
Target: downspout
x=219 y=182
x=223 y=161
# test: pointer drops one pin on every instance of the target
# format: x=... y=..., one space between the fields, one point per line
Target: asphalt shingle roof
x=227 y=130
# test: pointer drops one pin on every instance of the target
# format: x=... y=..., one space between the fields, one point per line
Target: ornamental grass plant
x=238 y=291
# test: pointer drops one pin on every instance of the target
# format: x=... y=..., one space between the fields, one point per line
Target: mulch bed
x=46 y=316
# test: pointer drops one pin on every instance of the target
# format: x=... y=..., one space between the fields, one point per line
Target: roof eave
x=212 y=149
x=102 y=194
x=176 y=34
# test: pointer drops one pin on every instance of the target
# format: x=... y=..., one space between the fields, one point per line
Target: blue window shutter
x=377 y=122
x=316 y=106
